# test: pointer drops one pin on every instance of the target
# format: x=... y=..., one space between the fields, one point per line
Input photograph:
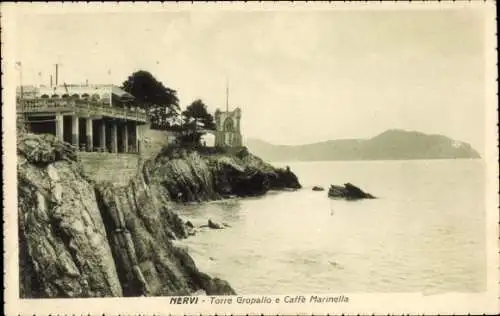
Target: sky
x=299 y=77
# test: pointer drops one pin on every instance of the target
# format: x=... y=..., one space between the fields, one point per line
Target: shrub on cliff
x=196 y=122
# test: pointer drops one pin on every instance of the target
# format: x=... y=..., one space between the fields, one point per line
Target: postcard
x=250 y=158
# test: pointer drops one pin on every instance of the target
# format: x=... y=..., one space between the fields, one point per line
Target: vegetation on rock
x=196 y=121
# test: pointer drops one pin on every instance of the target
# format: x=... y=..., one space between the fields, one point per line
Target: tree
x=160 y=102
x=196 y=122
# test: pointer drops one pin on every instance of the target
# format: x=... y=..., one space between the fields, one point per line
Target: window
x=229 y=125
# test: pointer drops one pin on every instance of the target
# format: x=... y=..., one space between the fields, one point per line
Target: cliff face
x=63 y=247
x=188 y=175
x=78 y=238
x=81 y=239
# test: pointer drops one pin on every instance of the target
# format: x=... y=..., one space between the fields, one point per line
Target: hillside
x=390 y=145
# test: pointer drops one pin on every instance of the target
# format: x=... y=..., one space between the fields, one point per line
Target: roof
x=102 y=90
x=121 y=93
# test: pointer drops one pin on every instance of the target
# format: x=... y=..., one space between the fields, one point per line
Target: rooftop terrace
x=80 y=107
x=84 y=101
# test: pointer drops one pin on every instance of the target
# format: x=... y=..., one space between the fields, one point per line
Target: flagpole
x=57 y=74
x=20 y=78
x=227 y=95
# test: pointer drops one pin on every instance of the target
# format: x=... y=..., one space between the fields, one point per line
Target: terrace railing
x=90 y=106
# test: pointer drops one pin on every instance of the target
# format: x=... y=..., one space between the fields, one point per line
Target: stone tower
x=228 y=133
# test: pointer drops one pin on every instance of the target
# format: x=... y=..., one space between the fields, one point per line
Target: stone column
x=102 y=135
x=90 y=134
x=133 y=136
x=60 y=126
x=138 y=138
x=125 y=137
x=114 y=137
x=75 y=132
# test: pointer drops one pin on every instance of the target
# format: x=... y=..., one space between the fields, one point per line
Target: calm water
x=425 y=233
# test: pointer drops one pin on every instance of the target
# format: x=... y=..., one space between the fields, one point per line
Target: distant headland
x=393 y=144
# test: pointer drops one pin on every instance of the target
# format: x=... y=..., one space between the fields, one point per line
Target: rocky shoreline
x=78 y=238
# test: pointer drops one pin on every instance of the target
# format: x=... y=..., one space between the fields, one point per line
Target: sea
x=424 y=233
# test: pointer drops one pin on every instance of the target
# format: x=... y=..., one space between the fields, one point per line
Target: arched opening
x=229 y=125
x=85 y=96
x=95 y=97
x=45 y=96
x=55 y=96
x=65 y=96
x=75 y=96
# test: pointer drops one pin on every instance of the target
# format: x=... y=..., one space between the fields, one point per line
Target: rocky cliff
x=184 y=175
x=78 y=238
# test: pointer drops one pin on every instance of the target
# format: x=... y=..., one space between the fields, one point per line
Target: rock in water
x=200 y=293
x=349 y=192
x=44 y=149
x=318 y=188
x=213 y=225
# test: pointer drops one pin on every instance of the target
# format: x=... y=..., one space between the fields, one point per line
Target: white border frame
x=380 y=303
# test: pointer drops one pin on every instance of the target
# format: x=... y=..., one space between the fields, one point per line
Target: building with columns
x=94 y=118
x=228 y=131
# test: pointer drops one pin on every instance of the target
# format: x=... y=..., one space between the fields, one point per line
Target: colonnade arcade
x=98 y=134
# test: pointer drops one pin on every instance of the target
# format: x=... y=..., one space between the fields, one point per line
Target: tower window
x=229 y=125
